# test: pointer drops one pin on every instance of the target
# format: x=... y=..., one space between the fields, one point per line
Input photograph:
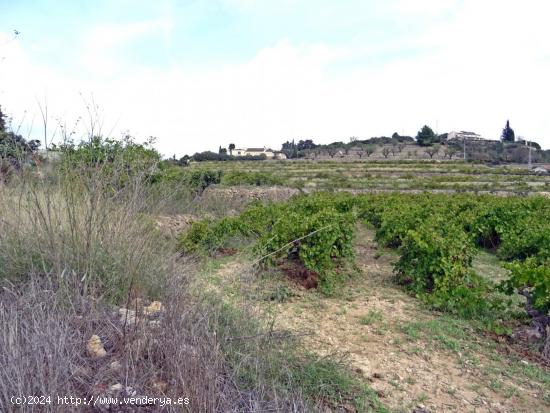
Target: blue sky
x=199 y=74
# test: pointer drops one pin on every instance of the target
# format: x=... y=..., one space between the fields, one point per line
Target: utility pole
x=464 y=146
x=530 y=157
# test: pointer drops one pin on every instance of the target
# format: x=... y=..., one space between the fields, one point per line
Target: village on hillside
x=426 y=145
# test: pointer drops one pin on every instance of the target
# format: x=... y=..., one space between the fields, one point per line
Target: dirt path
x=411 y=357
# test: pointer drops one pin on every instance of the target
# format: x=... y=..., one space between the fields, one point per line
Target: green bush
x=317 y=230
x=200 y=179
x=316 y=239
x=528 y=237
x=534 y=276
x=435 y=257
x=233 y=178
x=115 y=162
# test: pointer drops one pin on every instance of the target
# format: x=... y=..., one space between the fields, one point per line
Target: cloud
x=486 y=63
x=102 y=45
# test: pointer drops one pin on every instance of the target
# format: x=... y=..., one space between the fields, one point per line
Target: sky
x=206 y=73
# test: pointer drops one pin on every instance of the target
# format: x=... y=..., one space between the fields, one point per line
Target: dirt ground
x=412 y=357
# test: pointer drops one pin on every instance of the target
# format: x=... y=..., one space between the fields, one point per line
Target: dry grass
x=80 y=228
x=76 y=247
x=190 y=350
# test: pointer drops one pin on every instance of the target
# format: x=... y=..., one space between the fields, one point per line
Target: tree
x=305 y=145
x=426 y=136
x=363 y=149
x=290 y=149
x=450 y=151
x=222 y=151
x=332 y=151
x=386 y=152
x=508 y=134
x=14 y=147
x=2 y=121
x=369 y=150
x=231 y=148
x=432 y=150
x=360 y=150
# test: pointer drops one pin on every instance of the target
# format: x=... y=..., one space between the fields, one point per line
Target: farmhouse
x=269 y=153
x=464 y=135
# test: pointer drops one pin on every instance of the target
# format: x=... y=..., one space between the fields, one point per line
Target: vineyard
x=436 y=237
x=438 y=241
x=381 y=176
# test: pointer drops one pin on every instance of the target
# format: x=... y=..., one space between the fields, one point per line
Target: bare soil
x=407 y=370
x=412 y=357
x=296 y=272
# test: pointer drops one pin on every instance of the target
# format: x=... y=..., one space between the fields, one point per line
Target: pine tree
x=425 y=136
x=508 y=134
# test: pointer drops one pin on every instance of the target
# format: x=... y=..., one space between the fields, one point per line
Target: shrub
x=232 y=178
x=435 y=257
x=200 y=179
x=315 y=229
x=533 y=277
x=527 y=237
x=111 y=163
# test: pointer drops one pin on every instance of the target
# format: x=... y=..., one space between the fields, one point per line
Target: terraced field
x=374 y=176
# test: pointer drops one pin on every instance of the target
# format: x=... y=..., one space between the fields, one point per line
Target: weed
x=371 y=317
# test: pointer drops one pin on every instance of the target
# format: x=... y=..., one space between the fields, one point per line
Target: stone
x=95 y=348
x=160 y=386
x=420 y=408
x=116 y=387
x=154 y=308
x=127 y=317
x=115 y=365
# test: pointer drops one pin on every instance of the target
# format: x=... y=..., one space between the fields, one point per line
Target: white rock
x=116 y=387
x=95 y=348
x=154 y=308
x=115 y=365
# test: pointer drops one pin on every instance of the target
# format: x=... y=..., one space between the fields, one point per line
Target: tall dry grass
x=75 y=245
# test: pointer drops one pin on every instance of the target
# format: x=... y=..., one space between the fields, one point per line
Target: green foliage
x=316 y=238
x=3 y=123
x=527 y=237
x=317 y=230
x=435 y=257
x=533 y=275
x=425 y=136
x=435 y=235
x=200 y=179
x=114 y=162
x=232 y=178
x=207 y=237
x=100 y=151
x=168 y=173
x=508 y=134
x=13 y=148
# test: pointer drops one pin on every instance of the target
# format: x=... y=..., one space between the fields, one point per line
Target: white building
x=464 y=135
x=269 y=153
